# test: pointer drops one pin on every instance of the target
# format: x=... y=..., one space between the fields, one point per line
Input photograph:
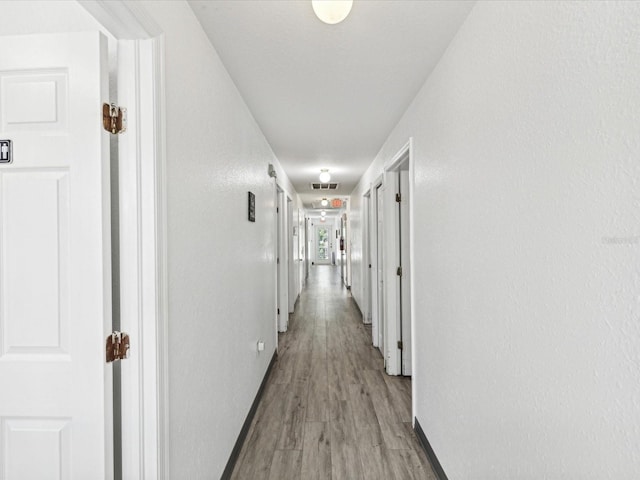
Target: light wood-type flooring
x=328 y=410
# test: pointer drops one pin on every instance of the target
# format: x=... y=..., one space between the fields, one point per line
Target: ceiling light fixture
x=332 y=11
x=323 y=213
x=324 y=202
x=324 y=175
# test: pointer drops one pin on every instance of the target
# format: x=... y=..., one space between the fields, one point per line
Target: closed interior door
x=323 y=244
x=55 y=272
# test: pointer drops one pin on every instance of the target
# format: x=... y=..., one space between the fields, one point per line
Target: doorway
x=366 y=257
x=398 y=254
x=292 y=271
x=322 y=246
x=403 y=226
x=343 y=251
x=377 y=277
x=307 y=249
x=282 y=267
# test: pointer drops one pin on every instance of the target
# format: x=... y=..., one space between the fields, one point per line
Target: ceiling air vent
x=324 y=186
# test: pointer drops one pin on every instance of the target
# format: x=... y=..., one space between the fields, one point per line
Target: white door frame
x=142 y=197
x=291 y=257
x=330 y=228
x=307 y=250
x=282 y=260
x=366 y=257
x=391 y=254
x=375 y=313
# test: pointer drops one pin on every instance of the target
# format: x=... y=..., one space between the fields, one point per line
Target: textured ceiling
x=327 y=96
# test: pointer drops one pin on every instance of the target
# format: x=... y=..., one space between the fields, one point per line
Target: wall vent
x=324 y=186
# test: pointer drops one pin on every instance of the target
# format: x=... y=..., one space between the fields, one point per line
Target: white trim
x=414 y=366
x=376 y=188
x=276 y=253
x=162 y=278
x=399 y=157
x=125 y=20
x=292 y=288
x=142 y=236
x=390 y=241
x=142 y=242
x=282 y=260
x=366 y=258
x=130 y=262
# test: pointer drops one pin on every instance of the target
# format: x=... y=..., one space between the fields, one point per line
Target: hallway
x=328 y=409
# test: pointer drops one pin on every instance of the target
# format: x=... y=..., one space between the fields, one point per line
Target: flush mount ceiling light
x=323 y=213
x=324 y=175
x=332 y=11
x=324 y=202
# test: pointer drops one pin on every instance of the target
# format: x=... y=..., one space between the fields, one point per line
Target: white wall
x=21 y=17
x=221 y=266
x=527 y=230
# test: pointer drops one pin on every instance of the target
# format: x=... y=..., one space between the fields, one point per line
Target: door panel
x=282 y=266
x=380 y=267
x=34 y=212
x=373 y=258
x=55 y=282
x=405 y=279
x=323 y=245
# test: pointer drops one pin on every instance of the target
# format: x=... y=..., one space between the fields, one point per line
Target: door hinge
x=114 y=118
x=278 y=311
x=398 y=197
x=277 y=261
x=117 y=346
x=400 y=344
x=399 y=271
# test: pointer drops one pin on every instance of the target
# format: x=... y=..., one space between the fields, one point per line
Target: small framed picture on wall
x=252 y=207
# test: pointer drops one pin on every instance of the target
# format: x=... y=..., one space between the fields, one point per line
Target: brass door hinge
x=399 y=271
x=117 y=346
x=114 y=118
x=398 y=197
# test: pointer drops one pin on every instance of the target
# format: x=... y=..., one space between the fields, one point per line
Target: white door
x=291 y=258
x=323 y=244
x=373 y=258
x=282 y=267
x=405 y=278
x=380 y=268
x=366 y=258
x=55 y=273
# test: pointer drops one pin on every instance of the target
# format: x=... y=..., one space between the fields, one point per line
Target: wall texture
x=221 y=266
x=527 y=234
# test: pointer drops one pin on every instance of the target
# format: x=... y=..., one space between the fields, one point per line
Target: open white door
x=55 y=272
x=404 y=219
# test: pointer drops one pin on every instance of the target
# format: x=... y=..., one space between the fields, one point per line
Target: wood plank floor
x=329 y=411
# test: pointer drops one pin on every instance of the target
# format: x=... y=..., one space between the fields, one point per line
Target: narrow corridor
x=329 y=411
